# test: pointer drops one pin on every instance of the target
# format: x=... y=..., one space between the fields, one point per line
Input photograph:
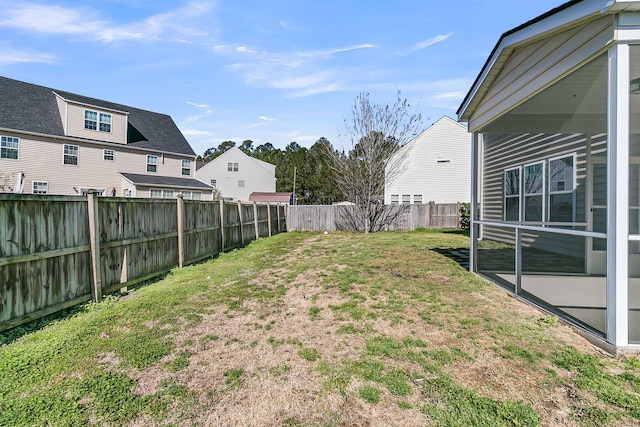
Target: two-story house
x=434 y=166
x=56 y=142
x=236 y=175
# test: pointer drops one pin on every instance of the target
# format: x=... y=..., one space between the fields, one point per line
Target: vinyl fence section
x=60 y=251
x=411 y=217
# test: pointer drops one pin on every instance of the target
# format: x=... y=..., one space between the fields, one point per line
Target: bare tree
x=376 y=133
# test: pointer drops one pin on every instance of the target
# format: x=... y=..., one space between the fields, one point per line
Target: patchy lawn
x=309 y=329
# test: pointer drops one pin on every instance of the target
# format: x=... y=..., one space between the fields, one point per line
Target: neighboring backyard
x=306 y=329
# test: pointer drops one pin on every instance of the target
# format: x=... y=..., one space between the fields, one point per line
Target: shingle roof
x=165 y=181
x=278 y=197
x=32 y=108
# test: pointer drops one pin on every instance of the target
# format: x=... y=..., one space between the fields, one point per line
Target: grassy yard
x=309 y=329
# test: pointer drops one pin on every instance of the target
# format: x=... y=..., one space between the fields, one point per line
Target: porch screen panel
x=634 y=199
x=496 y=255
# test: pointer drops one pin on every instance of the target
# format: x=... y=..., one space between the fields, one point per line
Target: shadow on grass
x=10 y=335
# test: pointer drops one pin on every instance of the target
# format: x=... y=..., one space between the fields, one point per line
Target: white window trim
x=98 y=121
x=512 y=196
x=543 y=194
x=17 y=149
x=154 y=164
x=77 y=156
x=113 y=155
x=395 y=199
x=33 y=187
x=185 y=168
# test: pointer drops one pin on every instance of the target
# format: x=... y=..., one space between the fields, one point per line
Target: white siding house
x=434 y=166
x=56 y=142
x=555 y=121
x=235 y=175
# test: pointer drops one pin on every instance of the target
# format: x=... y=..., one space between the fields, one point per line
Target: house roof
x=221 y=158
x=554 y=20
x=165 y=181
x=33 y=108
x=277 y=197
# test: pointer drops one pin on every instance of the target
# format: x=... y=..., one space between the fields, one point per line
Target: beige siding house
x=55 y=142
x=235 y=175
x=434 y=166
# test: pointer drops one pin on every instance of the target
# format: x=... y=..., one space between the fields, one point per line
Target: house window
x=9 y=147
x=241 y=183
x=213 y=182
x=196 y=195
x=90 y=120
x=186 y=195
x=232 y=167
x=105 y=122
x=108 y=155
x=160 y=194
x=40 y=187
x=152 y=164
x=417 y=199
x=406 y=199
x=533 y=191
x=562 y=185
x=394 y=199
x=70 y=154
x=186 y=167
x=512 y=194
x=95 y=121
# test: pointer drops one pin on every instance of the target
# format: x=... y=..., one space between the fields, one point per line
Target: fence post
x=94 y=243
x=255 y=219
x=221 y=225
x=180 y=202
x=430 y=214
x=269 y=217
x=241 y=227
x=458 y=215
x=124 y=269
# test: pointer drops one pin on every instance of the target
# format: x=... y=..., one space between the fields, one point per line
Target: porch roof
x=575 y=15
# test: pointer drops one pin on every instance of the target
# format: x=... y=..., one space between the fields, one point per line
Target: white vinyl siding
x=40 y=187
x=423 y=171
x=9 y=147
x=70 y=154
x=258 y=176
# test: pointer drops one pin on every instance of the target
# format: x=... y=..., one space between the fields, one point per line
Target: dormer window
x=97 y=121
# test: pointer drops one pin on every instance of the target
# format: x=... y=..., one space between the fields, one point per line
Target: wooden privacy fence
x=410 y=217
x=60 y=251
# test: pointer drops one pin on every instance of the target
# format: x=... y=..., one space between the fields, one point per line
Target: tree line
x=315 y=183
x=357 y=173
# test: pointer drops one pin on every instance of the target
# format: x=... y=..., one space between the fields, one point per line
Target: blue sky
x=270 y=71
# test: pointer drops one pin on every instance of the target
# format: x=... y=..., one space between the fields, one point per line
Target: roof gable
x=33 y=108
x=235 y=152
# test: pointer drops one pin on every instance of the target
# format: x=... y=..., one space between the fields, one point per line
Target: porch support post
x=473 y=206
x=618 y=196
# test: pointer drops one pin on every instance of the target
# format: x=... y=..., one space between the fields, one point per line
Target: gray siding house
x=56 y=142
x=555 y=121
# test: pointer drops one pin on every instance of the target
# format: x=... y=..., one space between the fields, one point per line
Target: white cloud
x=176 y=25
x=329 y=52
x=425 y=44
x=196 y=105
x=266 y=119
x=9 y=55
x=244 y=49
x=196 y=132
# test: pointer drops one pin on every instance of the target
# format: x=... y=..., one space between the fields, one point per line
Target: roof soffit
x=560 y=19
